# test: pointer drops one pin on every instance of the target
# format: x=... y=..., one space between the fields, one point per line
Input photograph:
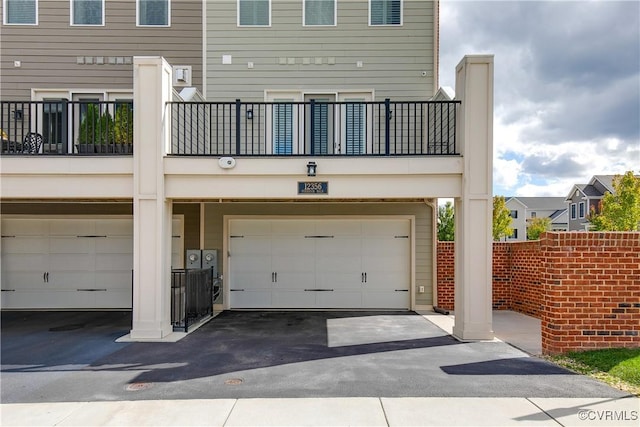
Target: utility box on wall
x=202 y=258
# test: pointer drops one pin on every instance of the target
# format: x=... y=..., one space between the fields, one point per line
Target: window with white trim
x=254 y=13
x=319 y=12
x=385 y=12
x=87 y=12
x=581 y=209
x=20 y=12
x=153 y=13
x=573 y=211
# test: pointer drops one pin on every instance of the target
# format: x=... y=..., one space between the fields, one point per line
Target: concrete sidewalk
x=412 y=411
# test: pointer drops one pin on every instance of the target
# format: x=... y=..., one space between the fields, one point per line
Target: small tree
x=619 y=211
x=446 y=222
x=501 y=219
x=537 y=226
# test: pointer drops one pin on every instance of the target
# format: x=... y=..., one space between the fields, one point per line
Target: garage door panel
x=250 y=227
x=114 y=245
x=114 y=262
x=293 y=299
x=113 y=280
x=23 y=262
x=24 y=245
x=385 y=299
x=24 y=227
x=299 y=227
x=77 y=262
x=339 y=280
x=339 y=299
x=251 y=299
x=381 y=227
x=75 y=227
x=23 y=280
x=339 y=227
x=112 y=227
x=251 y=280
x=294 y=280
x=71 y=245
x=113 y=298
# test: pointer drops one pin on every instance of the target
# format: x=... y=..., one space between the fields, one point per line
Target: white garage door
x=67 y=263
x=328 y=263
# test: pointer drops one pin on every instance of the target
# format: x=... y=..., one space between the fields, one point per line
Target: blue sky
x=567 y=87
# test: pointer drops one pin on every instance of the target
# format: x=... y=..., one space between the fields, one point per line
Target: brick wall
x=591 y=291
x=585 y=287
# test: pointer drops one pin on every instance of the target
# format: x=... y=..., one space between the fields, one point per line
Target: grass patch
x=618 y=367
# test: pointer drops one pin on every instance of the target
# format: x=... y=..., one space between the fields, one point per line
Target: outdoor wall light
x=311 y=168
x=249 y=114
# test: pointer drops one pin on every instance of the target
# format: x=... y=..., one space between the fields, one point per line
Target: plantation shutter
x=87 y=12
x=153 y=12
x=386 y=12
x=321 y=127
x=253 y=12
x=21 y=11
x=319 y=12
x=282 y=128
x=354 y=127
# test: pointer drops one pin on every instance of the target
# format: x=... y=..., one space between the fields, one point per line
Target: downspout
x=434 y=270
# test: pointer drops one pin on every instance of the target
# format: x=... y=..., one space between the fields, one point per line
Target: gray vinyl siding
x=214 y=218
x=48 y=52
x=393 y=57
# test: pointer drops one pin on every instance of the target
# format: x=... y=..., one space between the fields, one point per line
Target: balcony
x=66 y=127
x=385 y=128
x=251 y=129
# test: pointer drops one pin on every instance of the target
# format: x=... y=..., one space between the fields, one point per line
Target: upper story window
x=319 y=12
x=153 y=13
x=20 y=12
x=533 y=215
x=573 y=211
x=254 y=13
x=385 y=12
x=87 y=12
x=581 y=210
x=514 y=214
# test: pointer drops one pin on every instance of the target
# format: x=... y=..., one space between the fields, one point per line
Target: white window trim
x=581 y=210
x=335 y=15
x=573 y=211
x=5 y=17
x=153 y=26
x=250 y=26
x=389 y=25
x=104 y=6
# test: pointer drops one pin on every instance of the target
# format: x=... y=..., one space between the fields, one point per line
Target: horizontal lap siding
x=393 y=57
x=49 y=51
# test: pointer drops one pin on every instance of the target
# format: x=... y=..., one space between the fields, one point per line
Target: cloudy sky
x=567 y=87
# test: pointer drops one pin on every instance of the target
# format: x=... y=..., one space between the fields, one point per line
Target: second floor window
x=573 y=211
x=153 y=12
x=87 y=12
x=254 y=13
x=514 y=214
x=385 y=12
x=21 y=12
x=319 y=12
x=581 y=210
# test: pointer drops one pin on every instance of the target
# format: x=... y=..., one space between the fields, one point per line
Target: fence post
x=238 y=127
x=312 y=128
x=387 y=126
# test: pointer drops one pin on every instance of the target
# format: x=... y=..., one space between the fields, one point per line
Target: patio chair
x=32 y=143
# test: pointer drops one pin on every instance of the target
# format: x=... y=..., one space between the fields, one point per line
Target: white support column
x=151 y=211
x=474 y=210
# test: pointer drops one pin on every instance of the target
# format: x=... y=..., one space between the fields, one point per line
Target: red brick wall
x=585 y=287
x=446 y=270
x=591 y=291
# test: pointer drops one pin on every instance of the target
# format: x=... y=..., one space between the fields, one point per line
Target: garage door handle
x=8 y=290
x=236 y=290
x=402 y=290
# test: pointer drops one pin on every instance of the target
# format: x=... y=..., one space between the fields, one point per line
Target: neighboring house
x=585 y=198
x=311 y=173
x=523 y=209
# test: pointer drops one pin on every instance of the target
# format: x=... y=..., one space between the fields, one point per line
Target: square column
x=151 y=211
x=474 y=210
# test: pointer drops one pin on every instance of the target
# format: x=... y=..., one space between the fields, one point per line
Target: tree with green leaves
x=446 y=223
x=537 y=226
x=501 y=219
x=619 y=211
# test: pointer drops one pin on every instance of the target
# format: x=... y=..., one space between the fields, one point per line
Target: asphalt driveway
x=59 y=357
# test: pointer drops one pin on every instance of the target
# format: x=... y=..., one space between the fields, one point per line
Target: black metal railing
x=385 y=128
x=193 y=292
x=66 y=127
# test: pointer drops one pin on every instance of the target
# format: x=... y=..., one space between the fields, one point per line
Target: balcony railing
x=193 y=293
x=66 y=127
x=385 y=128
